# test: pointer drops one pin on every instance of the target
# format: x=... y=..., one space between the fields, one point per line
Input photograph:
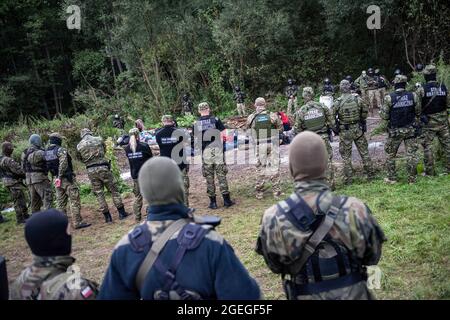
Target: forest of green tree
x=140 y=56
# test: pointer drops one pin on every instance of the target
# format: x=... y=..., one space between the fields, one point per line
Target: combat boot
x=108 y=218
x=227 y=202
x=82 y=225
x=122 y=213
x=212 y=203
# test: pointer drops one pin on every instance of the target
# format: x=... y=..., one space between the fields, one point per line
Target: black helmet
x=377 y=72
x=419 y=67
x=349 y=79
x=237 y=88
x=397 y=72
x=185 y=96
x=370 y=72
x=326 y=81
x=290 y=81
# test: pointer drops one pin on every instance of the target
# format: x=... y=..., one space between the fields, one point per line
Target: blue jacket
x=212 y=269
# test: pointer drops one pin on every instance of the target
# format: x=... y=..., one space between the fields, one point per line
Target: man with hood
x=59 y=163
x=53 y=274
x=319 y=242
x=265 y=127
x=91 y=151
x=12 y=178
x=36 y=175
x=174 y=255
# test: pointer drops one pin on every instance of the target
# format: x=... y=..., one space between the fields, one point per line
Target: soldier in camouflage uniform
x=372 y=91
x=266 y=127
x=53 y=275
x=207 y=129
x=435 y=112
x=319 y=242
x=361 y=84
x=350 y=113
x=12 y=178
x=91 y=151
x=187 y=104
x=239 y=97
x=59 y=163
x=316 y=117
x=401 y=110
x=291 y=93
x=36 y=175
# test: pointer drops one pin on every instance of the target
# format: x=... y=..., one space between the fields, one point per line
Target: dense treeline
x=141 y=56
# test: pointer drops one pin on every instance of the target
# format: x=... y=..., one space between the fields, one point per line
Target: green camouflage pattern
x=185 y=175
x=67 y=192
x=214 y=164
x=91 y=150
x=41 y=196
x=102 y=177
x=277 y=124
x=138 y=200
x=437 y=127
x=267 y=169
x=49 y=278
x=281 y=243
x=396 y=136
x=37 y=161
x=20 y=202
x=349 y=109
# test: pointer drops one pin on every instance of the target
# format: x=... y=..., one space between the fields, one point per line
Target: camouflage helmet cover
x=308 y=92
x=345 y=85
x=166 y=117
x=85 y=132
x=203 y=106
x=400 y=79
x=260 y=102
x=55 y=135
x=430 y=69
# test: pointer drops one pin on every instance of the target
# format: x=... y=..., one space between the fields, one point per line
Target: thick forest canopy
x=139 y=57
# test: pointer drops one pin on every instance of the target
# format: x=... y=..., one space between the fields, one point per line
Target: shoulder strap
x=319 y=234
x=156 y=248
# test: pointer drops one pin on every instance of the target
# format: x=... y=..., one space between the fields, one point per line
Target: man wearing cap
x=137 y=153
x=361 y=83
x=291 y=93
x=435 y=123
x=172 y=142
x=350 y=114
x=36 y=174
x=12 y=178
x=91 y=150
x=53 y=274
x=59 y=163
x=265 y=128
x=401 y=110
x=207 y=129
x=174 y=255
x=319 y=242
x=315 y=117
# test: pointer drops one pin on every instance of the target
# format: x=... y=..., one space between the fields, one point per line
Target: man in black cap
x=53 y=275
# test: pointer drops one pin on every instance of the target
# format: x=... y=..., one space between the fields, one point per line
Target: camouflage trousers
x=347 y=137
x=101 y=178
x=138 y=201
x=330 y=169
x=185 y=174
x=374 y=101
x=69 y=192
x=429 y=132
x=241 y=109
x=393 y=142
x=267 y=168
x=41 y=195
x=381 y=95
x=292 y=106
x=214 y=164
x=20 y=202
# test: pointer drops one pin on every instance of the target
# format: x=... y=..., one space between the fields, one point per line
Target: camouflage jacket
x=13 y=173
x=338 y=111
x=91 y=150
x=291 y=91
x=274 y=118
x=386 y=110
x=37 y=161
x=63 y=157
x=299 y=122
x=281 y=243
x=361 y=82
x=187 y=105
x=437 y=119
x=52 y=278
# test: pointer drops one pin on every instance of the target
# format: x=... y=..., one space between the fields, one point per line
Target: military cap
x=203 y=106
x=308 y=92
x=260 y=102
x=429 y=69
x=166 y=117
x=400 y=79
x=85 y=132
x=55 y=135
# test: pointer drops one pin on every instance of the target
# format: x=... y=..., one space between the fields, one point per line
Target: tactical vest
x=402 y=112
x=349 y=111
x=263 y=126
x=435 y=98
x=314 y=118
x=29 y=168
x=325 y=264
x=51 y=157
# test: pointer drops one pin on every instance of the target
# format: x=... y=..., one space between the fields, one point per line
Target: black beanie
x=46 y=234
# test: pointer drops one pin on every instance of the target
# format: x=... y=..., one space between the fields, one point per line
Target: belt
x=328 y=285
x=98 y=165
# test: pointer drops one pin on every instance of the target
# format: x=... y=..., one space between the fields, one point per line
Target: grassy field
x=416 y=220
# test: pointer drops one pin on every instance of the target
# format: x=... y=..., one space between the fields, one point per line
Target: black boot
x=212 y=203
x=122 y=213
x=227 y=201
x=108 y=218
x=82 y=225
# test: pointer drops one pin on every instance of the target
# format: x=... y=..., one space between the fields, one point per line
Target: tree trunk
x=54 y=90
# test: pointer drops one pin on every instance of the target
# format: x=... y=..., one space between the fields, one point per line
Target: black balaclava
x=401 y=85
x=430 y=77
x=46 y=234
x=55 y=140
